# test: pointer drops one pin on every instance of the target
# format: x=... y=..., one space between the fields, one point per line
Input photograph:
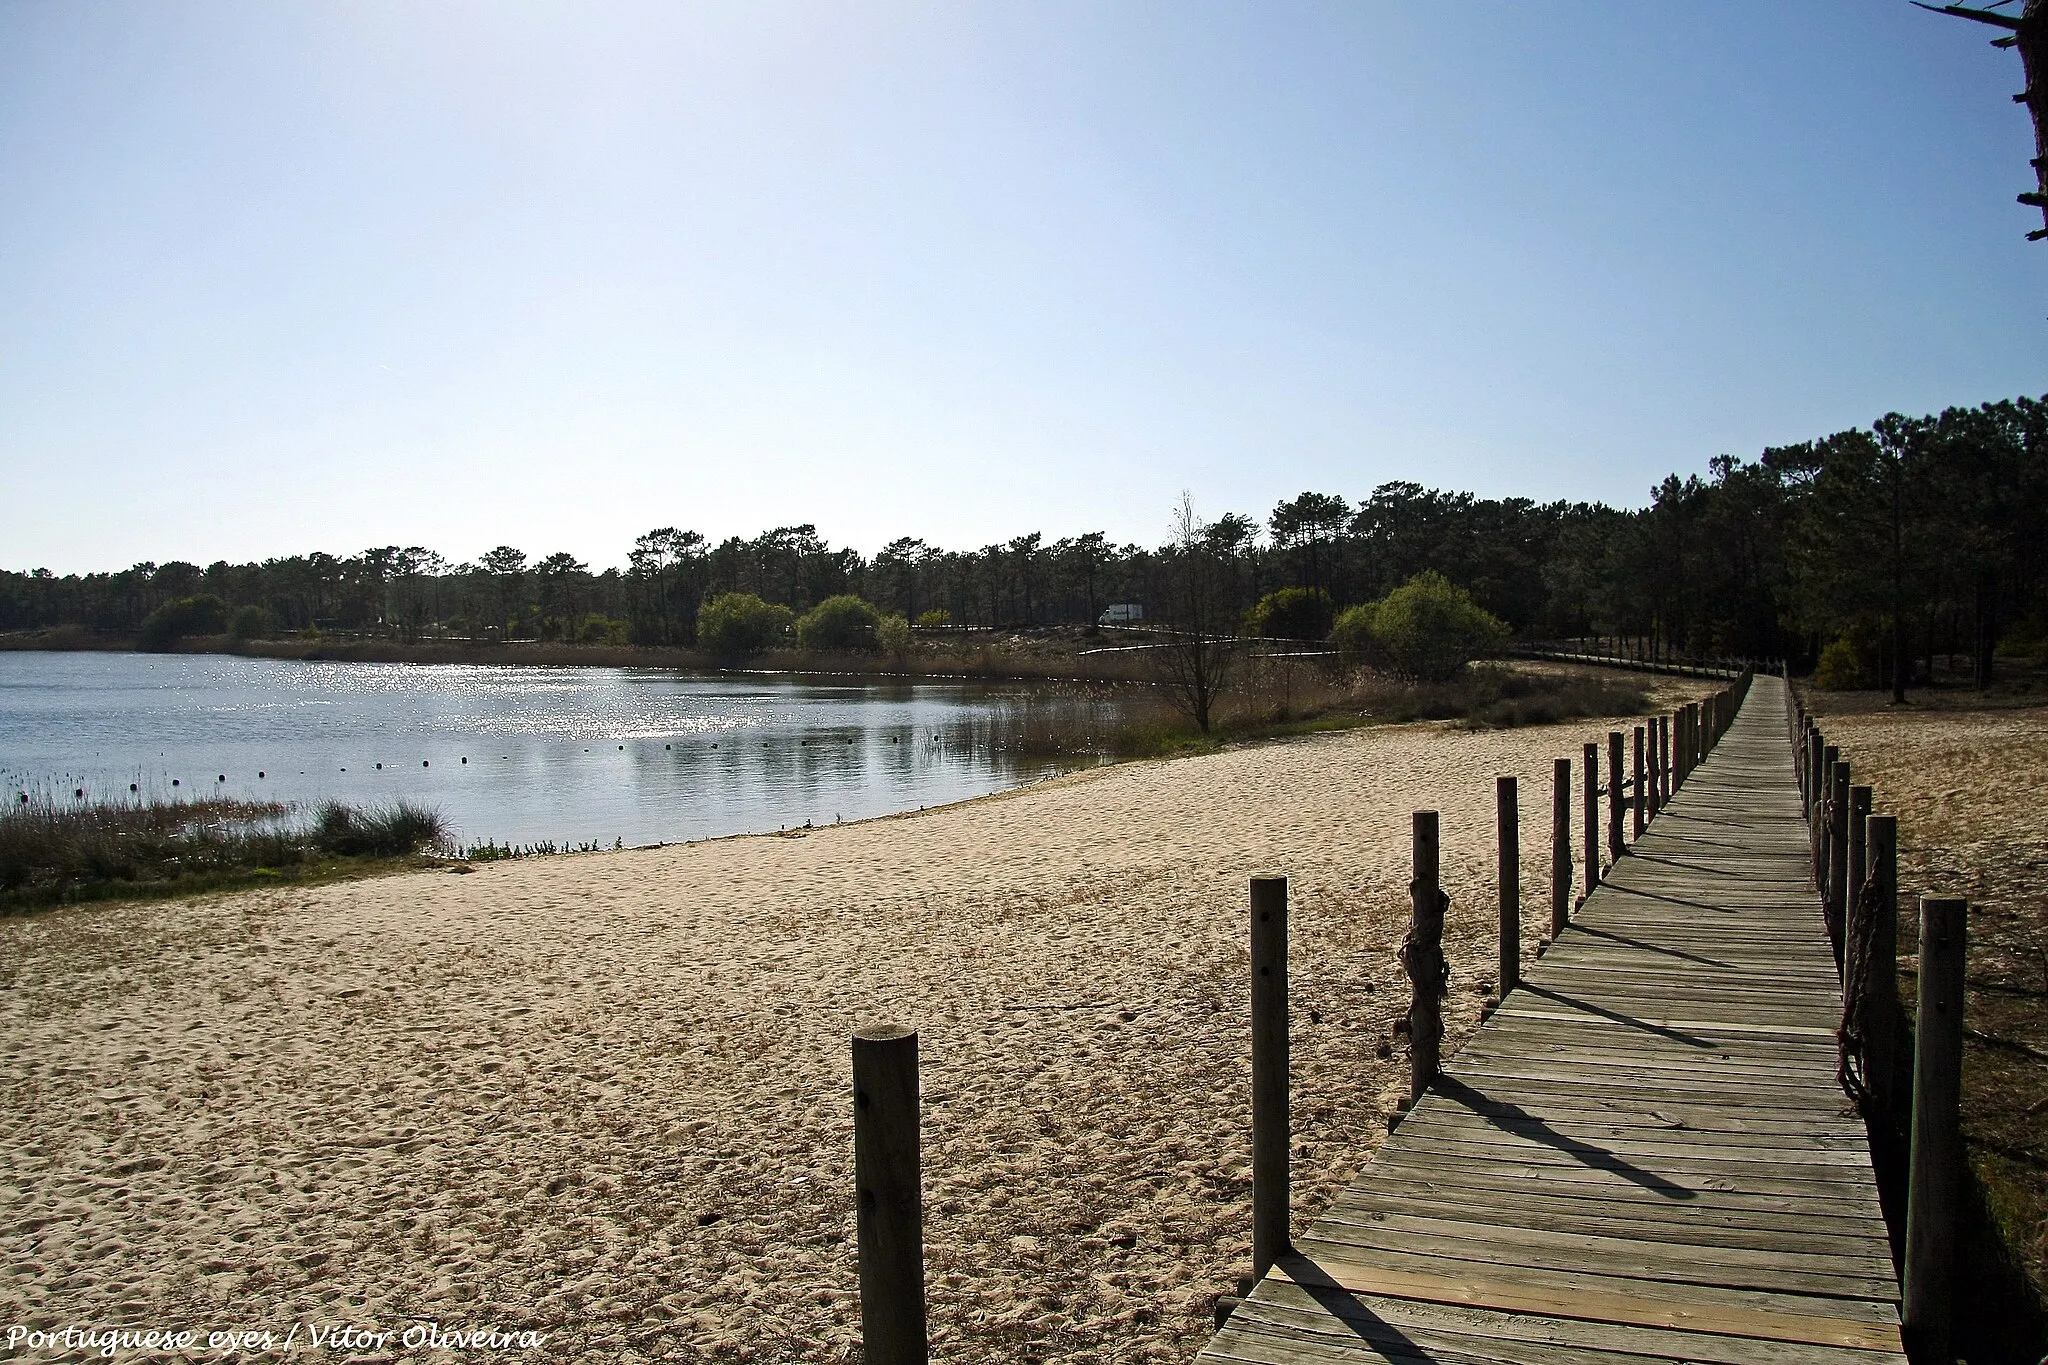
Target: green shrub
x=250 y=623
x=1292 y=614
x=1352 y=631
x=840 y=623
x=739 y=625
x=1430 y=628
x=171 y=622
x=935 y=619
x=599 y=629
x=1841 y=667
x=893 y=634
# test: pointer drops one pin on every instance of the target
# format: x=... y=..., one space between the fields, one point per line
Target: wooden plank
x=1734 y=1313
x=1762 y=1229
x=1438 y=1329
x=1623 y=1253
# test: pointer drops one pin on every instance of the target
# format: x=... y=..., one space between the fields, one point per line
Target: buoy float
x=131 y=787
x=380 y=767
x=174 y=781
x=465 y=758
x=622 y=748
x=259 y=772
x=79 y=794
x=668 y=746
x=425 y=764
x=222 y=778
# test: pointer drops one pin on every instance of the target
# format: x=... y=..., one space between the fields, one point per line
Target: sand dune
x=605 y=1097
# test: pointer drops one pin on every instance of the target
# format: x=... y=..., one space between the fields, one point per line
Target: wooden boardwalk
x=1644 y=1154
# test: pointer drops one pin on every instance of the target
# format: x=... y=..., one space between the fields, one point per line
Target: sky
x=283 y=276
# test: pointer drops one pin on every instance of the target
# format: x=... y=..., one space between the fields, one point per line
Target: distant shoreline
x=998 y=658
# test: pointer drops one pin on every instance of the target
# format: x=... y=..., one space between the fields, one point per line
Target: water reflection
x=519 y=755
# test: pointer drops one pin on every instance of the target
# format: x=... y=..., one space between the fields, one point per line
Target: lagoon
x=515 y=755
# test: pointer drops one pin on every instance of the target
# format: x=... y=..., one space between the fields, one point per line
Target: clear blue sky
x=277 y=277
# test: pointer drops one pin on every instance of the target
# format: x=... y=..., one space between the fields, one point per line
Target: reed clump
x=1271 y=698
x=1502 y=697
x=54 y=851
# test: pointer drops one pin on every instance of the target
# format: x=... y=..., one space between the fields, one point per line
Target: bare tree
x=1200 y=612
x=2027 y=31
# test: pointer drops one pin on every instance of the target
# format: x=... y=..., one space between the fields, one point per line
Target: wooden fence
x=1856 y=877
x=1909 y=1087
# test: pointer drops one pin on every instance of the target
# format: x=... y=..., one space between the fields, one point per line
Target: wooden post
x=1663 y=762
x=1803 y=770
x=1813 y=753
x=1838 y=856
x=1270 y=1120
x=1656 y=795
x=1934 y=1181
x=1881 y=985
x=1859 y=856
x=1423 y=955
x=1641 y=797
x=889 y=1202
x=1829 y=757
x=1815 y=743
x=1592 y=817
x=1560 y=846
x=1615 y=847
x=1507 y=819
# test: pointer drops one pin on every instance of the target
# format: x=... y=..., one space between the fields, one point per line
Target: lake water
x=568 y=755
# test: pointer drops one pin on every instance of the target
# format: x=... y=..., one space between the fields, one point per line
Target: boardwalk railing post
x=1615 y=846
x=1825 y=823
x=1656 y=784
x=1592 y=817
x=1881 y=981
x=1934 y=1184
x=1616 y=799
x=1859 y=856
x=1663 y=762
x=1270 y=1120
x=1560 y=846
x=1507 y=818
x=1838 y=855
x=887 y=1195
x=1640 y=802
x=1817 y=762
x=1423 y=956
x=1804 y=769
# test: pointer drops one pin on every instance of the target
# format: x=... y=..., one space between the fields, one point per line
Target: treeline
x=1889 y=545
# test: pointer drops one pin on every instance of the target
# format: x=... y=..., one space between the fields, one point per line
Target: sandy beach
x=606 y=1097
